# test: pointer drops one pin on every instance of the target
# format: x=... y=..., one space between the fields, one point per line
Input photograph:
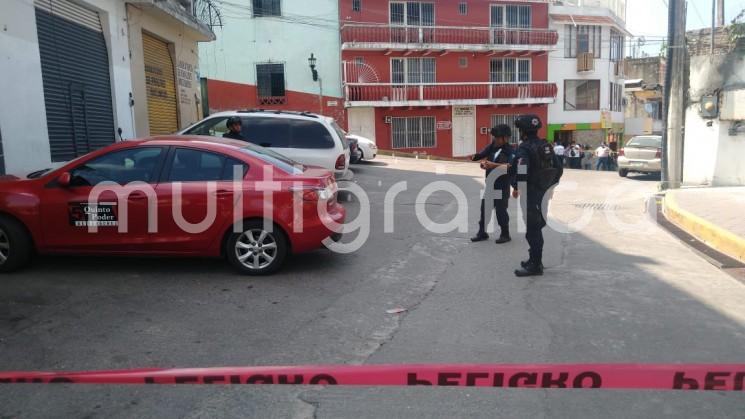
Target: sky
x=649 y=17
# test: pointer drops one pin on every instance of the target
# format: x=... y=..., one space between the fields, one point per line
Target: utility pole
x=720 y=13
x=672 y=144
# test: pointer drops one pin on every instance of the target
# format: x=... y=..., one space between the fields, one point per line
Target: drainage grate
x=602 y=206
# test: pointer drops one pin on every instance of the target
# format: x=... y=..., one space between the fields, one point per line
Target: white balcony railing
x=403 y=94
x=367 y=35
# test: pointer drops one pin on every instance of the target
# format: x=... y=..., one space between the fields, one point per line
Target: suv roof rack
x=279 y=112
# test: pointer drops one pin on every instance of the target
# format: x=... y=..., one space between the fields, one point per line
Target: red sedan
x=182 y=196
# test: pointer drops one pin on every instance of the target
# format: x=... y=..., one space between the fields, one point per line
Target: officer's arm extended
x=481 y=154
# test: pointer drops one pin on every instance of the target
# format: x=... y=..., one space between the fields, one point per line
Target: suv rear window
x=273 y=132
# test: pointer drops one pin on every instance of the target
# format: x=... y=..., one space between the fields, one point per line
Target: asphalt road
x=611 y=293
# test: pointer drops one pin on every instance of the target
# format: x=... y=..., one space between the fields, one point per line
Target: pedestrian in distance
x=602 y=153
x=560 y=150
x=497 y=154
x=538 y=168
x=234 y=128
x=587 y=159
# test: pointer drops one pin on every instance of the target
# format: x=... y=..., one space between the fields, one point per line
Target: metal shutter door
x=75 y=74
x=161 y=86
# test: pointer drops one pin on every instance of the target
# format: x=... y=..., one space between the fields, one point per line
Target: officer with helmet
x=234 y=128
x=538 y=168
x=498 y=154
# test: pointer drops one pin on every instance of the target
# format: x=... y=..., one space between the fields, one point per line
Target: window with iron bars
x=413 y=132
x=266 y=8
x=463 y=8
x=616 y=97
x=507 y=70
x=413 y=70
x=582 y=39
x=507 y=120
x=356 y=5
x=270 y=83
x=616 y=45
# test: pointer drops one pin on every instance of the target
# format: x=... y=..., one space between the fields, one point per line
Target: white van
x=307 y=138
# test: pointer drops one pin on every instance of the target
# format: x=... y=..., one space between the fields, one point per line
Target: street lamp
x=314 y=72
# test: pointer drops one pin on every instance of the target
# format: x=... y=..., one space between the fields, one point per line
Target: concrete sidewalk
x=716 y=216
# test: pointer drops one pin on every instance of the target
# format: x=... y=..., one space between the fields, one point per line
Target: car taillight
x=315 y=193
x=620 y=152
x=658 y=154
x=340 y=162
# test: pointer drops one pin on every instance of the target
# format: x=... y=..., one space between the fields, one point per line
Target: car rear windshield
x=287 y=165
x=654 y=142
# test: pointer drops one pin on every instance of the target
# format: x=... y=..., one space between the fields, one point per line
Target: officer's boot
x=532 y=268
x=504 y=237
x=529 y=261
x=480 y=236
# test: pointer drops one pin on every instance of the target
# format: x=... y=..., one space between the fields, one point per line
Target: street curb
x=712 y=235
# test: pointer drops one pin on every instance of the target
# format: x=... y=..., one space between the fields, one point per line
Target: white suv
x=307 y=138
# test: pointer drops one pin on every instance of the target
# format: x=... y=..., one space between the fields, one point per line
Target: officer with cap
x=234 y=128
x=537 y=167
x=498 y=153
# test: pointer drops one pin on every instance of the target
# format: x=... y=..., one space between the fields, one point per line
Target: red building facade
x=432 y=77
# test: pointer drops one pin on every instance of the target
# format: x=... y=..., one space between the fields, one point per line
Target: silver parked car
x=642 y=154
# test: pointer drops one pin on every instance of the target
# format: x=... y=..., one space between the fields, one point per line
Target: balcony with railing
x=444 y=94
x=457 y=38
x=200 y=16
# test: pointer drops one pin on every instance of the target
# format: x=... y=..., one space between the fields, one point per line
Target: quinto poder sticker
x=92 y=214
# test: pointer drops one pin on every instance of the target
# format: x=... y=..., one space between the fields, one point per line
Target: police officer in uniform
x=234 y=129
x=498 y=153
x=543 y=170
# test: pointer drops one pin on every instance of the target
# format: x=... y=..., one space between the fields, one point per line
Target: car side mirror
x=64 y=179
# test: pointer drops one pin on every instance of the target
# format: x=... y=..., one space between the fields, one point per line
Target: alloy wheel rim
x=256 y=249
x=4 y=247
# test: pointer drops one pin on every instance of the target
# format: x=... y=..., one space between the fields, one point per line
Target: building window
x=463 y=8
x=413 y=70
x=412 y=13
x=582 y=39
x=356 y=5
x=616 y=97
x=513 y=16
x=358 y=61
x=266 y=8
x=581 y=95
x=507 y=120
x=509 y=70
x=270 y=83
x=415 y=132
x=463 y=62
x=616 y=45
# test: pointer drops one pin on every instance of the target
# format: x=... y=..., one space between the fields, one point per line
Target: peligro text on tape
x=720 y=377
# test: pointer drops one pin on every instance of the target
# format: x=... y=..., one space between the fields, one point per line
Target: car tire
x=623 y=172
x=256 y=251
x=16 y=246
x=362 y=156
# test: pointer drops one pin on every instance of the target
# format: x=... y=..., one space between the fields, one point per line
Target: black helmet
x=232 y=121
x=501 y=130
x=528 y=122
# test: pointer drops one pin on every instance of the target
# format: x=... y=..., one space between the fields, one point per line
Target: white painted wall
x=561 y=68
x=712 y=156
x=244 y=41
x=22 y=116
x=22 y=111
